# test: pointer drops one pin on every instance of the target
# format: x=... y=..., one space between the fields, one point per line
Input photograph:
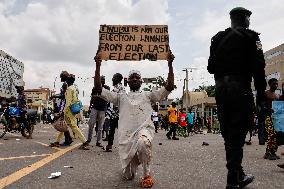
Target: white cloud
x=50 y=36
x=266 y=17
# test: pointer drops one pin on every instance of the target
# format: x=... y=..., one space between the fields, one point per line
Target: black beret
x=240 y=10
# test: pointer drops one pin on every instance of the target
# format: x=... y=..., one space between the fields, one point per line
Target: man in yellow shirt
x=72 y=97
x=173 y=121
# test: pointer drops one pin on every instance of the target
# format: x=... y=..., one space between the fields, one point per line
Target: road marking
x=27 y=170
x=13 y=134
x=20 y=157
x=46 y=145
x=41 y=143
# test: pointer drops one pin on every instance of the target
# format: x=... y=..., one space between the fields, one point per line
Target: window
x=274 y=54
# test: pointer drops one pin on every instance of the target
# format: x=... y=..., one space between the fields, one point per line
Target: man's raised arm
x=98 y=85
x=170 y=81
x=103 y=93
x=157 y=95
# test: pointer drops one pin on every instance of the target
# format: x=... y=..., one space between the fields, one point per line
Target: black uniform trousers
x=261 y=129
x=235 y=111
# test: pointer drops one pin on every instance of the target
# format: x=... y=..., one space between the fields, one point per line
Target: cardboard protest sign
x=278 y=115
x=134 y=42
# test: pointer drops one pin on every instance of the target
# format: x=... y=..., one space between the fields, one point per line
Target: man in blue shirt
x=190 y=121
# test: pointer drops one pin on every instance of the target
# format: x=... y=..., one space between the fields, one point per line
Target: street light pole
x=186 y=85
x=186 y=89
x=183 y=89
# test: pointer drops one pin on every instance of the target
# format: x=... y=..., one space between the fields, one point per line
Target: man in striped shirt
x=114 y=112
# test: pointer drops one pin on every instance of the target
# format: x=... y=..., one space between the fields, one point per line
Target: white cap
x=134 y=72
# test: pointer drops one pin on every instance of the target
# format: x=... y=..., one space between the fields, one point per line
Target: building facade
x=164 y=105
x=274 y=59
x=11 y=75
x=38 y=98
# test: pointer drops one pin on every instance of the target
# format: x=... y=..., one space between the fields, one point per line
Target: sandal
x=54 y=144
x=85 y=147
x=147 y=182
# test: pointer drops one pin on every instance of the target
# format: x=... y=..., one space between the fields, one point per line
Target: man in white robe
x=136 y=129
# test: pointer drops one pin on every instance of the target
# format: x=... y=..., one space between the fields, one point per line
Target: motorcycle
x=11 y=121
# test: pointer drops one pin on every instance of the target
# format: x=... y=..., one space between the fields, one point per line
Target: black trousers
x=156 y=124
x=23 y=118
x=235 y=112
x=67 y=136
x=173 y=130
x=261 y=129
x=113 y=126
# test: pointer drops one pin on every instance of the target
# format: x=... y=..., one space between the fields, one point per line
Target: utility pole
x=54 y=83
x=186 y=85
x=183 y=89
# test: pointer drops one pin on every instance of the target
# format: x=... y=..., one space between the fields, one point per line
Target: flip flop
x=147 y=182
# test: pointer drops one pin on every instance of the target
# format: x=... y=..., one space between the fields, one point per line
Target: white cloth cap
x=134 y=72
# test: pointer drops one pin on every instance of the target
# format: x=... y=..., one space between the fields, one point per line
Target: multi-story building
x=274 y=59
x=38 y=98
x=164 y=105
x=11 y=75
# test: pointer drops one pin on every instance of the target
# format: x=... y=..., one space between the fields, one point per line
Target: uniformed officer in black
x=236 y=57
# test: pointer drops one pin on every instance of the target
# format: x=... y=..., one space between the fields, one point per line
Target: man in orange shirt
x=173 y=121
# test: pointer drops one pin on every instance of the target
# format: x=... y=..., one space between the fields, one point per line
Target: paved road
x=177 y=164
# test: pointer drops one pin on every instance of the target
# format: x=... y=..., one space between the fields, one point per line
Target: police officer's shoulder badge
x=258 y=45
x=255 y=35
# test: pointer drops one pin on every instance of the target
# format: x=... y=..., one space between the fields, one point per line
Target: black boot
x=238 y=179
x=233 y=180
x=234 y=155
x=245 y=179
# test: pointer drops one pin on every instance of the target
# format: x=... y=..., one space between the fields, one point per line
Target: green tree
x=210 y=90
x=160 y=82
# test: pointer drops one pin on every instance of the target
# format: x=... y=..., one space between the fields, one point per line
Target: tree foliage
x=160 y=82
x=210 y=90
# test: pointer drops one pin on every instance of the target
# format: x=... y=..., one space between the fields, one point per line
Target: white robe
x=135 y=110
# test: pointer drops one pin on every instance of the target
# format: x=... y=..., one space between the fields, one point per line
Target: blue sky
x=50 y=35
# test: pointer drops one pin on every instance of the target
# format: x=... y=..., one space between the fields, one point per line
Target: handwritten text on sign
x=134 y=42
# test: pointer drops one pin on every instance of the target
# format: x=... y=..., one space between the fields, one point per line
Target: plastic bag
x=76 y=107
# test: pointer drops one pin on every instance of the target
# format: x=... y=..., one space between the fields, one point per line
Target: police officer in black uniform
x=236 y=57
